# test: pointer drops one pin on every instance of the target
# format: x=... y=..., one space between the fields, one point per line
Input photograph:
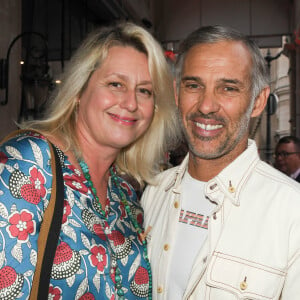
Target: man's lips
x=208 y=127
x=207 y=124
x=123 y=119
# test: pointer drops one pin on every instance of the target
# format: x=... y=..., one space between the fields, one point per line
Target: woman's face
x=117 y=106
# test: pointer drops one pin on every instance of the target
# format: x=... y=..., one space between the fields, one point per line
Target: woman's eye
x=115 y=84
x=145 y=92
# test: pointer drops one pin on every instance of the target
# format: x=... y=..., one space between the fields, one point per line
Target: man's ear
x=175 y=92
x=260 y=102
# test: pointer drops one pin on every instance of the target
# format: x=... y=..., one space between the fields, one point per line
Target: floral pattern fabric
x=89 y=246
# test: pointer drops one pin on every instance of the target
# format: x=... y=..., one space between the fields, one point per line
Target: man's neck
x=206 y=169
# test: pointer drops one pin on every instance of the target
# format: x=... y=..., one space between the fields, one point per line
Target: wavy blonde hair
x=141 y=158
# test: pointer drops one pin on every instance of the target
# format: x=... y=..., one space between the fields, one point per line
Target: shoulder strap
x=50 y=227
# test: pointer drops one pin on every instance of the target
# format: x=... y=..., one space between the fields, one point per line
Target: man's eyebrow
x=229 y=80
x=193 y=78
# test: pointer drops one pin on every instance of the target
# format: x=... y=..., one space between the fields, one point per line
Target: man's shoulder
x=163 y=183
x=273 y=180
x=273 y=175
x=164 y=179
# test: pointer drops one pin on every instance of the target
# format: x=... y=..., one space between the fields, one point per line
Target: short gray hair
x=218 y=33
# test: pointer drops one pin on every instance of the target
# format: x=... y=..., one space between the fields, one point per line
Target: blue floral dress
x=85 y=253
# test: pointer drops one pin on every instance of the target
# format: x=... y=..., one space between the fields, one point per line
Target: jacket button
x=243 y=285
x=231 y=189
x=176 y=204
x=166 y=247
x=160 y=289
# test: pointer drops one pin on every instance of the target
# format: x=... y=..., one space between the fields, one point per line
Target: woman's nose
x=129 y=100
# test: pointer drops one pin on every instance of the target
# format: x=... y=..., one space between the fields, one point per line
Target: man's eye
x=192 y=86
x=230 y=89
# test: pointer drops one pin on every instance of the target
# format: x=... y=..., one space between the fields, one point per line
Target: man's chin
x=208 y=154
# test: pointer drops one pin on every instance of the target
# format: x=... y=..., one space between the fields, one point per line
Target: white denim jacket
x=253 y=245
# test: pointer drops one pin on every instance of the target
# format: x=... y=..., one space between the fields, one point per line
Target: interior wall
x=10 y=24
x=265 y=21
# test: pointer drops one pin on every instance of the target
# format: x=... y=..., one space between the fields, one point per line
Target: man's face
x=214 y=99
x=291 y=162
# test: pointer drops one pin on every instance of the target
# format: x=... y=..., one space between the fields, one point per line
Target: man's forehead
x=231 y=57
x=286 y=146
x=218 y=51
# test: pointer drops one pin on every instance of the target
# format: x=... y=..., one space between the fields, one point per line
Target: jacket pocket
x=242 y=279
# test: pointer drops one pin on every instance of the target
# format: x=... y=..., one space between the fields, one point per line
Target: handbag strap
x=50 y=227
x=49 y=233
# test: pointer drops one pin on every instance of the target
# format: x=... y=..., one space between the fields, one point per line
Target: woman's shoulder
x=26 y=157
x=26 y=145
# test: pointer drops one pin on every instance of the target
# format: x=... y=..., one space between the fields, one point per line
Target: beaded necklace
x=116 y=182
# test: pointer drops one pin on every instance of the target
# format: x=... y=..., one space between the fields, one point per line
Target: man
x=222 y=225
x=287 y=156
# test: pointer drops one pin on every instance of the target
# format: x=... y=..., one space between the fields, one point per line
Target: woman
x=113 y=113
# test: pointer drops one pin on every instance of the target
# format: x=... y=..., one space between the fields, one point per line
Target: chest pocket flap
x=244 y=278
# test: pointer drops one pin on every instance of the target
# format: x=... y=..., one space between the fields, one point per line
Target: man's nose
x=208 y=102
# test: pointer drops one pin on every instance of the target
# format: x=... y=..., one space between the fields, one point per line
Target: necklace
x=87 y=176
x=116 y=182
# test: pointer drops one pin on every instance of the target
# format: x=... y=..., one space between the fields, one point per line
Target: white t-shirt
x=190 y=236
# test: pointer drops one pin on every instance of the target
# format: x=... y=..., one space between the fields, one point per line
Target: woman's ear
x=260 y=102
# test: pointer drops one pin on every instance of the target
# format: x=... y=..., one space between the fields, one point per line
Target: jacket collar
x=230 y=180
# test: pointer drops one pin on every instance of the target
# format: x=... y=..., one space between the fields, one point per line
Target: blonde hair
x=140 y=159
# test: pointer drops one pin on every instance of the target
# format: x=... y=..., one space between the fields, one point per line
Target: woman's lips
x=122 y=119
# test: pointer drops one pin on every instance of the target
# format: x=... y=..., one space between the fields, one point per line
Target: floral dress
x=85 y=253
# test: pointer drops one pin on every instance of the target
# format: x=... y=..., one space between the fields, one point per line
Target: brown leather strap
x=44 y=231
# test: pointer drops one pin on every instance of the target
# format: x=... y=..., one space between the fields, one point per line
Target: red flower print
x=66 y=262
x=140 y=284
x=54 y=293
x=67 y=211
x=98 y=258
x=38 y=180
x=21 y=225
x=75 y=181
x=87 y=296
x=140 y=218
x=11 y=283
x=125 y=186
x=99 y=231
x=123 y=211
x=3 y=157
x=36 y=134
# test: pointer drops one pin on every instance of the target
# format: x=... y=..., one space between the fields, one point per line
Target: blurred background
x=39 y=36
